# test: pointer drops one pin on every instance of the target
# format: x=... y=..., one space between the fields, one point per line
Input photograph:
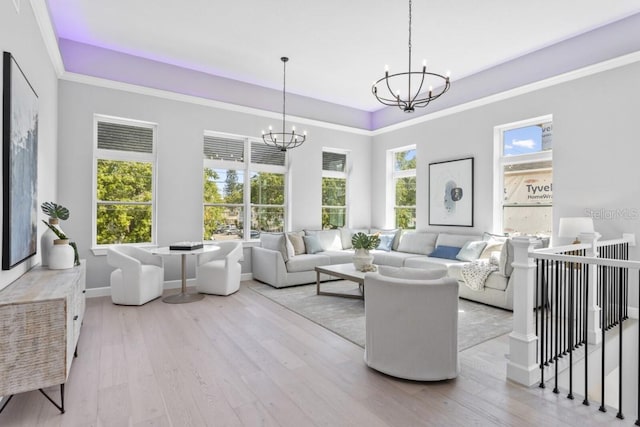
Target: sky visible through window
x=523 y=140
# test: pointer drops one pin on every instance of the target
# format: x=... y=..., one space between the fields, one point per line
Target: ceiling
x=337 y=48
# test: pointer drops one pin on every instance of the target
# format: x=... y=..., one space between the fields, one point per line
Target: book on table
x=185 y=246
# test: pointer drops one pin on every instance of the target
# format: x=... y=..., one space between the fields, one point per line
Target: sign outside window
x=527 y=187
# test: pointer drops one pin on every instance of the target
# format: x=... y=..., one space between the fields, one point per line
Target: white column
x=594 y=333
x=522 y=367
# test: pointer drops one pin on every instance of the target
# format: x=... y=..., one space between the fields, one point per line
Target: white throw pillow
x=412 y=273
x=471 y=250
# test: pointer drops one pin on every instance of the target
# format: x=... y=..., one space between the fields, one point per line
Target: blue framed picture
x=19 y=165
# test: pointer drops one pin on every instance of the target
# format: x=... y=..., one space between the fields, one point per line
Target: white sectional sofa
x=288 y=259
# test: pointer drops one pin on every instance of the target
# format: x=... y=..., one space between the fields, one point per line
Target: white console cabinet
x=40 y=318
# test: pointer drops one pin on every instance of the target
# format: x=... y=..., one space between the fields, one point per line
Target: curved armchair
x=412 y=327
x=218 y=272
x=139 y=275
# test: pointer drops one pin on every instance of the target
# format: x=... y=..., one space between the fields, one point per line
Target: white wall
x=20 y=35
x=596 y=151
x=179 y=198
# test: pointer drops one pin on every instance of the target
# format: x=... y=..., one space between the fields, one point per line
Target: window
x=125 y=160
x=525 y=179
x=334 y=189
x=403 y=176
x=243 y=183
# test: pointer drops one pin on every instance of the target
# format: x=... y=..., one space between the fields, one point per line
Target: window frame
x=118 y=155
x=500 y=161
x=247 y=168
x=337 y=175
x=393 y=176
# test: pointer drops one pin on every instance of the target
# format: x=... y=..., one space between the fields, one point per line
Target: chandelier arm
x=419 y=87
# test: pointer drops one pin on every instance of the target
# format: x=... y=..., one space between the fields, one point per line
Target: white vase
x=61 y=255
x=362 y=259
x=46 y=241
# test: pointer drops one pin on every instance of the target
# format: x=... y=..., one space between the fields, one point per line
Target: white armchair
x=218 y=272
x=412 y=327
x=139 y=275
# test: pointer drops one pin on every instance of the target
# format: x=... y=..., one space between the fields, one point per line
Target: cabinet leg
x=75 y=352
x=61 y=406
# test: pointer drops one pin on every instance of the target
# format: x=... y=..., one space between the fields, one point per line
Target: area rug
x=477 y=323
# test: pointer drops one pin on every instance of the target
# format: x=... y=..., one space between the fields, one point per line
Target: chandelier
x=415 y=97
x=284 y=140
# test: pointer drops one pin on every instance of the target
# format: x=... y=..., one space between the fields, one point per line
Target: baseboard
x=105 y=291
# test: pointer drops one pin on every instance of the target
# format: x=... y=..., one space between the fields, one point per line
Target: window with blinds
x=241 y=189
x=124 y=180
x=334 y=189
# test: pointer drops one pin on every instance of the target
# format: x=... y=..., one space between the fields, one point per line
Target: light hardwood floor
x=243 y=360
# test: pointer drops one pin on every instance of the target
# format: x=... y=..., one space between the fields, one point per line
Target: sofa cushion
x=275 y=242
x=455 y=240
x=429 y=262
x=347 y=233
x=443 y=251
x=306 y=262
x=471 y=250
x=297 y=242
x=339 y=257
x=312 y=244
x=329 y=240
x=392 y=258
x=412 y=273
x=414 y=242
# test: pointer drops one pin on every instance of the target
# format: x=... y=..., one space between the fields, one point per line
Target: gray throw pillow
x=312 y=244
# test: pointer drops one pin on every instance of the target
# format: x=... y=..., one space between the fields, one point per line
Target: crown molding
x=41 y=14
x=174 y=96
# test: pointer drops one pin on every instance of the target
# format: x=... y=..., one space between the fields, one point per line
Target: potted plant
x=54 y=241
x=363 y=243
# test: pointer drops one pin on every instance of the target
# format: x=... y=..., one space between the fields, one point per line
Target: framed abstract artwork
x=451 y=193
x=19 y=165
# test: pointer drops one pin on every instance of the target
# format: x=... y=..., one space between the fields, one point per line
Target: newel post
x=522 y=367
x=594 y=333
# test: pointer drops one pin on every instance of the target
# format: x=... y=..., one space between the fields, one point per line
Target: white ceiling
x=337 y=47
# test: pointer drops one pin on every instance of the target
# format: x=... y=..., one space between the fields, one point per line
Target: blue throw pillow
x=447 y=252
x=385 y=242
x=312 y=244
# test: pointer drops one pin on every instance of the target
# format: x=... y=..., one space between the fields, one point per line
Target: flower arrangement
x=365 y=241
